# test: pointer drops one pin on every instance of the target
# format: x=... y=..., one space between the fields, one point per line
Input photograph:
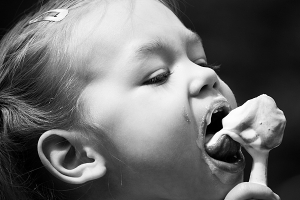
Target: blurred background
x=257 y=44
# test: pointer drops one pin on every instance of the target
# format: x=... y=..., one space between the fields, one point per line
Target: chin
x=221 y=189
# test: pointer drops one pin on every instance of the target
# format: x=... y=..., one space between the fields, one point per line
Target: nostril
x=204 y=87
x=203 y=82
x=208 y=87
x=215 y=85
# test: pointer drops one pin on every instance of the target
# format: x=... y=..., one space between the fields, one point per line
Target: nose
x=203 y=79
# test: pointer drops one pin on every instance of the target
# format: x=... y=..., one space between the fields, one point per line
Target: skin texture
x=149 y=94
x=146 y=123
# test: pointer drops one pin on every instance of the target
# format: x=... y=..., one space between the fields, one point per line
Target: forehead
x=112 y=29
x=115 y=17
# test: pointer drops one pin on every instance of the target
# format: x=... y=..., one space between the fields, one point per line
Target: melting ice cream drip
x=258 y=125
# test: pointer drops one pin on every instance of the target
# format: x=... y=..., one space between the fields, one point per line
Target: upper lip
x=218 y=103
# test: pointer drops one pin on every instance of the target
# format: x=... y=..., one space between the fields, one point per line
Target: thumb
x=246 y=190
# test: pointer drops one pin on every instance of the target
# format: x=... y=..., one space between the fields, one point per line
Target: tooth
x=217 y=110
x=208 y=119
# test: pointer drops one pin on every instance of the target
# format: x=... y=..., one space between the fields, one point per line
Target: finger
x=248 y=190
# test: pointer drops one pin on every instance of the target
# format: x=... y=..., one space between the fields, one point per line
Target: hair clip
x=55 y=15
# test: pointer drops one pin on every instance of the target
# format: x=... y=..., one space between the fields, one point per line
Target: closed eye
x=159 y=79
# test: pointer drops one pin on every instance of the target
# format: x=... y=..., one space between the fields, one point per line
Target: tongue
x=225 y=149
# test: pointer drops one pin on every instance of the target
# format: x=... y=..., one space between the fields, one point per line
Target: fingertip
x=248 y=190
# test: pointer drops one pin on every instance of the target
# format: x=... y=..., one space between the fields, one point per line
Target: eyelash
x=163 y=77
x=212 y=66
x=159 y=79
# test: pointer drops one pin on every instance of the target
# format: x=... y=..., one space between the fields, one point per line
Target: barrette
x=55 y=15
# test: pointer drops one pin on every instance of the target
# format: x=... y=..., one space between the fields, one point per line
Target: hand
x=247 y=191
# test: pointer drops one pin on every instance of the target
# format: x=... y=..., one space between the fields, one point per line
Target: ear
x=69 y=158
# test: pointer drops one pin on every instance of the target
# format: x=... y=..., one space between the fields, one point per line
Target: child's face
x=154 y=118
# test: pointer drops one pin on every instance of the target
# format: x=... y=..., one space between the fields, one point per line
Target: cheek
x=162 y=146
x=155 y=133
x=155 y=141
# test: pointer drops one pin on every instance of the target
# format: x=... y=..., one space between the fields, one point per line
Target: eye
x=158 y=79
x=212 y=66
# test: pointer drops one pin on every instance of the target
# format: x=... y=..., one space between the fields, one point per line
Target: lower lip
x=228 y=167
x=217 y=165
x=227 y=173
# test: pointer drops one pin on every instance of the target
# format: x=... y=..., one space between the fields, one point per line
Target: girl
x=113 y=100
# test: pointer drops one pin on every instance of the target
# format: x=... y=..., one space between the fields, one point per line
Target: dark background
x=257 y=43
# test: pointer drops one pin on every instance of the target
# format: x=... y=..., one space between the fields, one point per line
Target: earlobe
x=69 y=159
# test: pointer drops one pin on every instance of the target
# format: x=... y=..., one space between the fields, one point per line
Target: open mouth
x=226 y=149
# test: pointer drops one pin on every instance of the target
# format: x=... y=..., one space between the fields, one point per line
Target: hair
x=39 y=91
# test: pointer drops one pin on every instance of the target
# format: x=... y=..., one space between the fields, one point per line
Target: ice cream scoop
x=258 y=125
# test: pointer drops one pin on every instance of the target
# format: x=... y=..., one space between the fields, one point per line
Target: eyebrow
x=158 y=44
